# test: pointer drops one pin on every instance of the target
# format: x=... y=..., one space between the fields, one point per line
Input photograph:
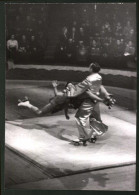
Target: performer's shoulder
x=94 y=77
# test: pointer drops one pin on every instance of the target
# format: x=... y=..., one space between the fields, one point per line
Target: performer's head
x=94 y=67
x=67 y=87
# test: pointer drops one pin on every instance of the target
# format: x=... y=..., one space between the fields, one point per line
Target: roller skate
x=78 y=142
x=93 y=139
x=24 y=102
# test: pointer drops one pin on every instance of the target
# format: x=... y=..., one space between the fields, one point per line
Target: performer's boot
x=27 y=104
x=93 y=137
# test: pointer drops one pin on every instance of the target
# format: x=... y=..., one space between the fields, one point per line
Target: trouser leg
x=82 y=116
x=96 y=113
x=98 y=128
x=46 y=109
x=81 y=125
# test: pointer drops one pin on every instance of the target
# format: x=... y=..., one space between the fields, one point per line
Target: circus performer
x=83 y=96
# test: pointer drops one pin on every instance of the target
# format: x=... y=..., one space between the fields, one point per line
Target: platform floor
x=39 y=141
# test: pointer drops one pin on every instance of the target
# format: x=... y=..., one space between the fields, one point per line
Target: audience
x=80 y=38
x=130 y=49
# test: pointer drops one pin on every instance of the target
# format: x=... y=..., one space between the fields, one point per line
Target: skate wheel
x=84 y=143
x=76 y=144
x=93 y=140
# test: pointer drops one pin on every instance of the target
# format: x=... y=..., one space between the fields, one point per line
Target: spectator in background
x=64 y=39
x=33 y=48
x=106 y=29
x=23 y=49
x=74 y=24
x=23 y=44
x=82 y=36
x=18 y=26
x=81 y=51
x=127 y=28
x=106 y=46
x=74 y=35
x=12 y=48
x=130 y=49
x=71 y=50
x=87 y=28
x=118 y=31
x=119 y=49
x=130 y=36
x=42 y=45
x=62 y=45
x=95 y=29
x=28 y=26
x=95 y=49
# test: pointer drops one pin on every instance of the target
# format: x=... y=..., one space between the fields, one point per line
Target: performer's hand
x=54 y=83
x=109 y=101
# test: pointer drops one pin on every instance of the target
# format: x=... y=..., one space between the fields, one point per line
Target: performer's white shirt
x=92 y=82
x=95 y=81
x=12 y=43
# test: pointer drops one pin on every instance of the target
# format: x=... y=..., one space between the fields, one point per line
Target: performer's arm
x=109 y=100
x=104 y=92
x=66 y=113
x=93 y=96
x=56 y=92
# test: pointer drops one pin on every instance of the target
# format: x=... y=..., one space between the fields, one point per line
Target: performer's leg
x=81 y=118
x=46 y=109
x=96 y=112
x=102 y=128
x=81 y=125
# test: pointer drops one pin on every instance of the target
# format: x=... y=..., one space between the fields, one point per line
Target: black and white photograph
x=70 y=96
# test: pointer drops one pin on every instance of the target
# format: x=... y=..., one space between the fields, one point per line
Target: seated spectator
x=82 y=36
x=95 y=49
x=71 y=50
x=87 y=28
x=119 y=48
x=106 y=29
x=23 y=49
x=130 y=49
x=43 y=40
x=74 y=35
x=61 y=47
x=64 y=39
x=127 y=28
x=81 y=51
x=33 y=43
x=96 y=29
x=33 y=49
x=106 y=46
x=102 y=32
x=12 y=47
x=23 y=45
x=118 y=30
x=131 y=36
x=74 y=24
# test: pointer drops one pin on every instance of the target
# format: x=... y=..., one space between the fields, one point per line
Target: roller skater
x=84 y=97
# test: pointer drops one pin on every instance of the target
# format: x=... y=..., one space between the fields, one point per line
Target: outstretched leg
x=46 y=109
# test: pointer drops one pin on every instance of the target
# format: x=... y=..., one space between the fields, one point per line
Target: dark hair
x=67 y=83
x=95 y=67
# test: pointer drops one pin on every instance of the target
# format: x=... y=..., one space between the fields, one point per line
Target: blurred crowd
x=79 y=40
x=93 y=41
